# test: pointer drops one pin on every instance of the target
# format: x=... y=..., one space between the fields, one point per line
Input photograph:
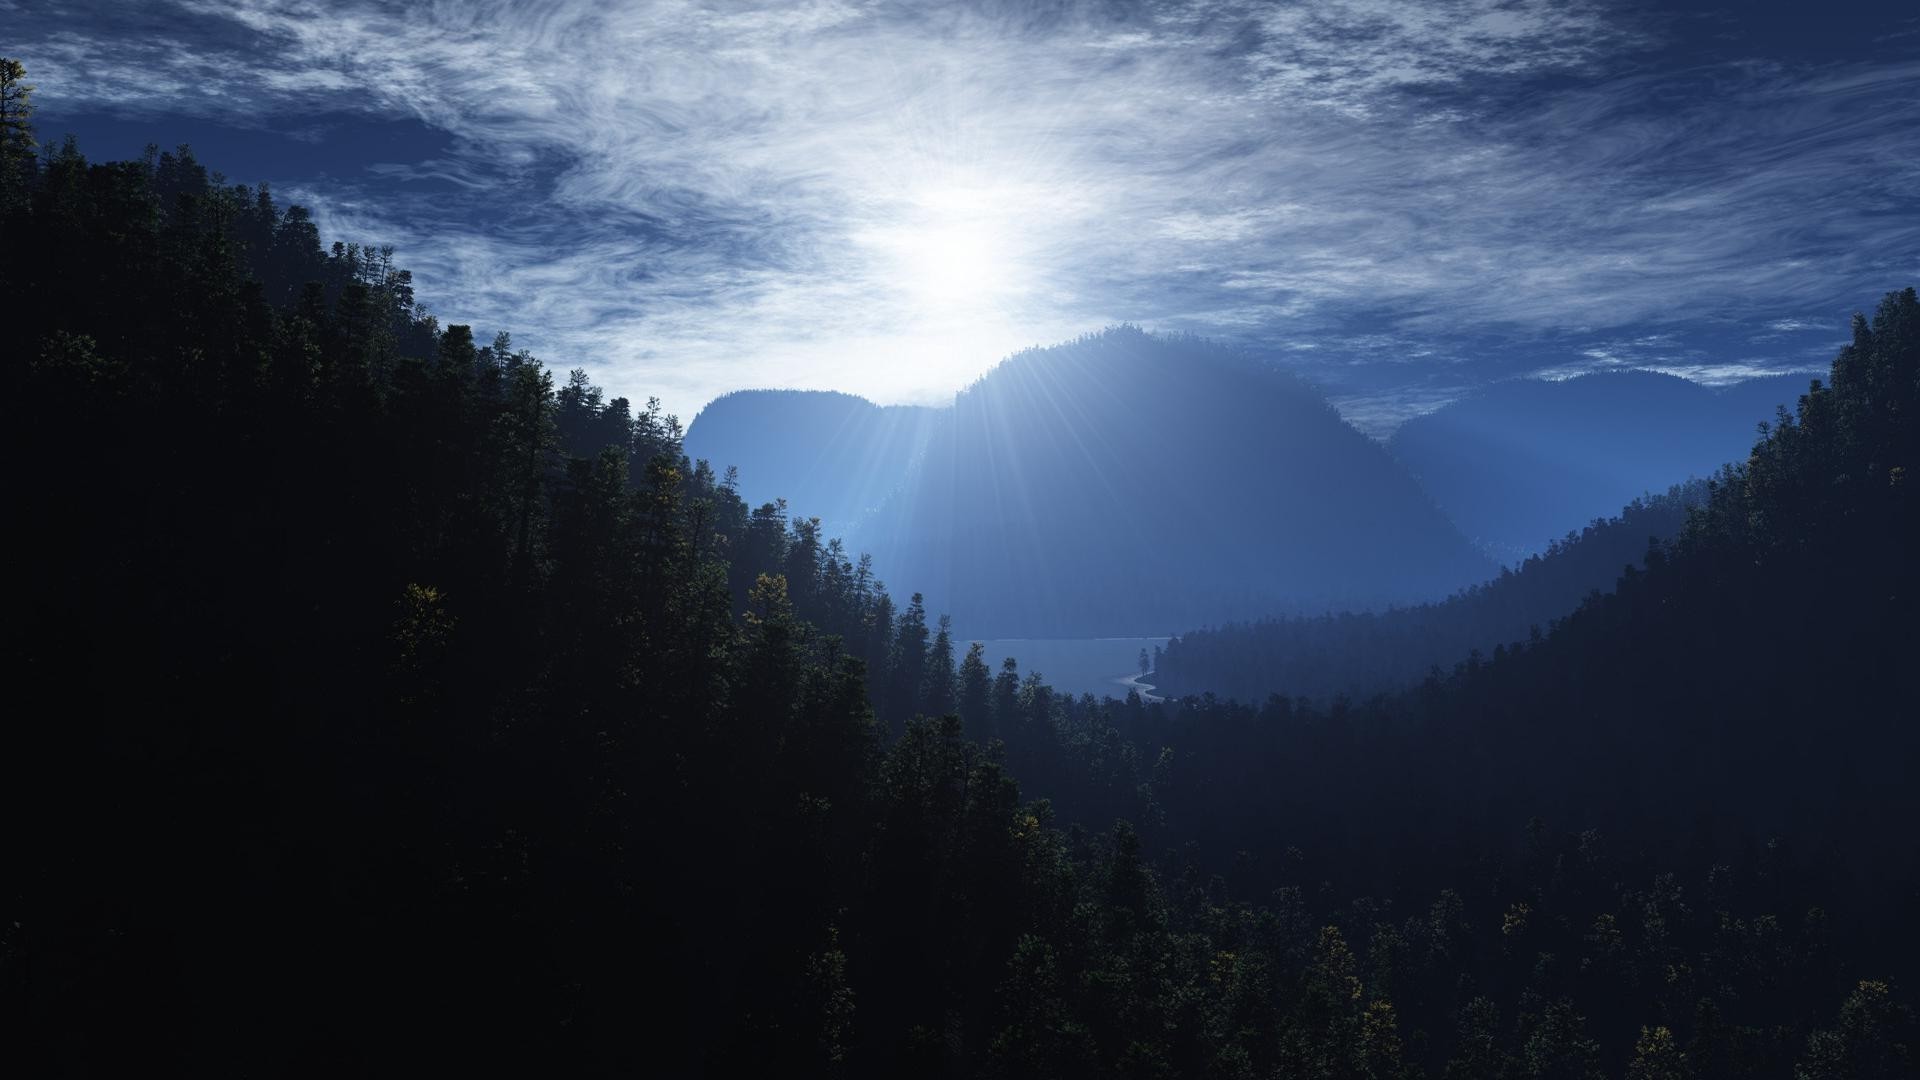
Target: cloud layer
x=885 y=197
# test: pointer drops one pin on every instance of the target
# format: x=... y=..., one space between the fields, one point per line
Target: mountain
x=1126 y=483
x=830 y=455
x=1740 y=711
x=1525 y=461
x=1360 y=654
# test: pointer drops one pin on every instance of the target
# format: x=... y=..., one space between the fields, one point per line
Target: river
x=1103 y=667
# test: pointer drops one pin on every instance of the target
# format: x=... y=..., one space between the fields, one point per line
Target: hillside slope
x=1751 y=690
x=1357 y=654
x=1523 y=462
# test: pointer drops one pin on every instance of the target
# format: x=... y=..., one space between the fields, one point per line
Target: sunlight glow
x=949 y=253
x=951 y=265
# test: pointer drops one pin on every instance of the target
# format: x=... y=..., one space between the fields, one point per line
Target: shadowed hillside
x=1746 y=698
x=1359 y=654
x=1523 y=462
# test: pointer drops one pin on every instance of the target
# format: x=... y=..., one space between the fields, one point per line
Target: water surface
x=1097 y=666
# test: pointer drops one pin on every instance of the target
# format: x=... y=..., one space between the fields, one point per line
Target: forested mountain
x=833 y=456
x=1747 y=697
x=1524 y=461
x=1127 y=483
x=387 y=708
x=1360 y=654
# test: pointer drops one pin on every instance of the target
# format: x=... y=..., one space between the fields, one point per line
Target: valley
x=1103 y=667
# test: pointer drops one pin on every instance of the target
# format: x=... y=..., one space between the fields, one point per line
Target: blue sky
x=1399 y=200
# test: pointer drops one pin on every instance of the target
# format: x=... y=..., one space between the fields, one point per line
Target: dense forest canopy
x=393 y=705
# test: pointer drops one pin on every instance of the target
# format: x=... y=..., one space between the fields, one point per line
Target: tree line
x=1359 y=654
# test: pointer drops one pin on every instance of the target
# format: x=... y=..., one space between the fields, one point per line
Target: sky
x=1400 y=201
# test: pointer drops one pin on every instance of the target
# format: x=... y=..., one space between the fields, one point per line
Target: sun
x=951 y=265
x=948 y=253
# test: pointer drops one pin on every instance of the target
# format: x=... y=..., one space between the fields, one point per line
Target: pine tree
x=937 y=693
x=907 y=667
x=974 y=702
x=17 y=145
x=1657 y=1056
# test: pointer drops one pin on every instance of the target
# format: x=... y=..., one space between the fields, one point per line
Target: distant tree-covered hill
x=1519 y=464
x=1125 y=483
x=833 y=456
x=1364 y=653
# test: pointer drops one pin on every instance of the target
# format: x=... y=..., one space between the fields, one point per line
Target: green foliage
x=1657 y=1056
x=16 y=130
x=1872 y=1040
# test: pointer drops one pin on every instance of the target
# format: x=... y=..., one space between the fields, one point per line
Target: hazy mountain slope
x=1761 y=399
x=1126 y=483
x=1360 y=654
x=1525 y=461
x=830 y=455
x=1747 y=698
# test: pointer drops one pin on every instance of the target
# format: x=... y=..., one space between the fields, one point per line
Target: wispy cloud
x=1670 y=353
x=882 y=197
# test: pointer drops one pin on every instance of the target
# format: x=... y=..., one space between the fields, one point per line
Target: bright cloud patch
x=883 y=198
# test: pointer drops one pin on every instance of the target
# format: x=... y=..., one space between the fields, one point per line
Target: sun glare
x=950 y=265
x=948 y=253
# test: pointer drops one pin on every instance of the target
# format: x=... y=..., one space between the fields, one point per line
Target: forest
x=1514 y=464
x=1359 y=654
x=396 y=703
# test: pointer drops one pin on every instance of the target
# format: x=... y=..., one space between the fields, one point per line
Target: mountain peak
x=1127 y=482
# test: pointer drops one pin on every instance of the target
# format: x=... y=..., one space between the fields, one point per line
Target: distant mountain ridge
x=831 y=455
x=1127 y=483
x=1522 y=462
x=1059 y=473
